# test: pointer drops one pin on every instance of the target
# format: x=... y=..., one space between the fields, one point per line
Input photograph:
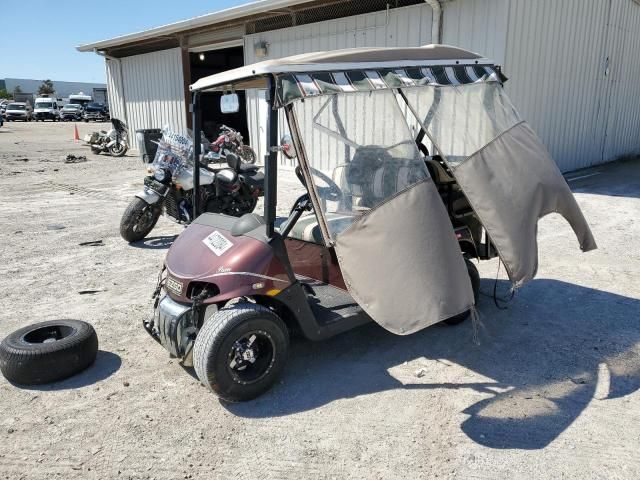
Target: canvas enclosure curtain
x=502 y=167
x=393 y=238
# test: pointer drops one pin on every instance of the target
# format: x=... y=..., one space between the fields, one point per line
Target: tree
x=17 y=90
x=46 y=88
x=5 y=94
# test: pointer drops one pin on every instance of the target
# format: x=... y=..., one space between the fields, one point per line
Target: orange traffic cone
x=76 y=135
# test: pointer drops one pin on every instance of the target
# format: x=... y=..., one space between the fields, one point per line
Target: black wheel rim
x=51 y=333
x=251 y=357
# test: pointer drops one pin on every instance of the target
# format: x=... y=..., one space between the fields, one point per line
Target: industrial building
x=572 y=65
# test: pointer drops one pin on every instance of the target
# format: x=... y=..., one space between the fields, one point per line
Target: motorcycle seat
x=254 y=179
x=247 y=168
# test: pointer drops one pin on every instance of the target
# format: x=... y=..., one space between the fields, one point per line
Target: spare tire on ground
x=48 y=351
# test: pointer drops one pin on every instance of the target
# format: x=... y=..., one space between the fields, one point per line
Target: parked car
x=19 y=111
x=46 y=108
x=71 y=111
x=97 y=112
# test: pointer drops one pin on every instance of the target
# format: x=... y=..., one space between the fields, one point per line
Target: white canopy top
x=253 y=76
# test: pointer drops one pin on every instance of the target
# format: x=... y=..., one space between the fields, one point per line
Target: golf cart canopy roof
x=356 y=69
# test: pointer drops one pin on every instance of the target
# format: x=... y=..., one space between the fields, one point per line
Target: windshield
x=360 y=151
x=174 y=153
x=71 y=107
x=44 y=105
x=96 y=106
x=16 y=106
x=462 y=120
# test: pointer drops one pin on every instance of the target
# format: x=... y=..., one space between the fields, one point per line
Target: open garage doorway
x=205 y=63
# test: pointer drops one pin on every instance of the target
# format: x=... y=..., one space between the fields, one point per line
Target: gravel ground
x=551 y=391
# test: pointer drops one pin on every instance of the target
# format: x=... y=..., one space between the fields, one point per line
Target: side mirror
x=230 y=103
x=288 y=148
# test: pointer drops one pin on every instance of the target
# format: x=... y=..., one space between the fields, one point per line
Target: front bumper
x=45 y=116
x=174 y=326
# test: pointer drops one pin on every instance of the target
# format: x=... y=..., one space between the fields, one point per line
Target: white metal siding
x=408 y=26
x=556 y=60
x=114 y=89
x=622 y=136
x=153 y=91
x=479 y=26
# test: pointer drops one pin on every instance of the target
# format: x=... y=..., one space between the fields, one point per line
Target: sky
x=42 y=45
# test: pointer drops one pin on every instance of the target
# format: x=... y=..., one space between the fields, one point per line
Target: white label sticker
x=217 y=243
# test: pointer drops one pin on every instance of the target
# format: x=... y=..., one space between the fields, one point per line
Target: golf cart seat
x=308 y=230
x=454 y=199
x=373 y=175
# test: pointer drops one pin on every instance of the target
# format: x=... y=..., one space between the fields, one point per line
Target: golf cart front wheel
x=241 y=351
x=474 y=276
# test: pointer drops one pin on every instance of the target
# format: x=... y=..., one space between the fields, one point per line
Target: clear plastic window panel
x=361 y=150
x=463 y=119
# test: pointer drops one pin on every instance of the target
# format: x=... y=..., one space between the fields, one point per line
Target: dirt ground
x=550 y=392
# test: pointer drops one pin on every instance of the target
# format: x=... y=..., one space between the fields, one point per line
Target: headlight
x=160 y=175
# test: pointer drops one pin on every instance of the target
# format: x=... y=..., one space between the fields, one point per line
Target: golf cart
x=413 y=162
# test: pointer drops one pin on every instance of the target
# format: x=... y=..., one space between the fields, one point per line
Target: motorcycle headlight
x=160 y=175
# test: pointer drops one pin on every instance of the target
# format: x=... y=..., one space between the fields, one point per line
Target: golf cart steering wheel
x=331 y=192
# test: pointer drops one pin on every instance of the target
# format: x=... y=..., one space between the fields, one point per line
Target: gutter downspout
x=436 y=26
x=124 y=101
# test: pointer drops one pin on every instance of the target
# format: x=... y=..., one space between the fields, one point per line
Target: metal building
x=573 y=64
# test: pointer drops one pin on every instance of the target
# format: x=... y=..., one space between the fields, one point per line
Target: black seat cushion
x=255 y=179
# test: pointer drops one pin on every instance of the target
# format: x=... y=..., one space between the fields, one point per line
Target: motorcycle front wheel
x=247 y=154
x=138 y=220
x=118 y=149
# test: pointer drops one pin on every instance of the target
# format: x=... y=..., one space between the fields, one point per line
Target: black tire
x=48 y=351
x=118 y=150
x=217 y=346
x=138 y=220
x=475 y=284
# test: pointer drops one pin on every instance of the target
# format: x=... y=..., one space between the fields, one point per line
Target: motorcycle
x=230 y=140
x=169 y=186
x=115 y=141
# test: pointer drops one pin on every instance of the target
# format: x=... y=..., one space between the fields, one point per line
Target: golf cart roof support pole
x=196 y=153
x=271 y=161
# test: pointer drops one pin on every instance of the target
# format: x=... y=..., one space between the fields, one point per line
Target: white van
x=80 y=99
x=46 y=108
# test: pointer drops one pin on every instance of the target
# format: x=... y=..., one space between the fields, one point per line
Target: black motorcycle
x=233 y=190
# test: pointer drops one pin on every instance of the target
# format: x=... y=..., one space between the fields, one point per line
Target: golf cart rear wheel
x=48 y=351
x=474 y=276
x=241 y=351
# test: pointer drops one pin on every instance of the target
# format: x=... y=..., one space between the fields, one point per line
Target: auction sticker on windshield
x=217 y=243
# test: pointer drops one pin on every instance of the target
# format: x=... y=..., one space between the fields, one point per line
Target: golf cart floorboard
x=331 y=304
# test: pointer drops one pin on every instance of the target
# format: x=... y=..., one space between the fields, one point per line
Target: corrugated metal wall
x=477 y=25
x=114 y=89
x=556 y=68
x=153 y=91
x=622 y=136
x=408 y=26
x=574 y=66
